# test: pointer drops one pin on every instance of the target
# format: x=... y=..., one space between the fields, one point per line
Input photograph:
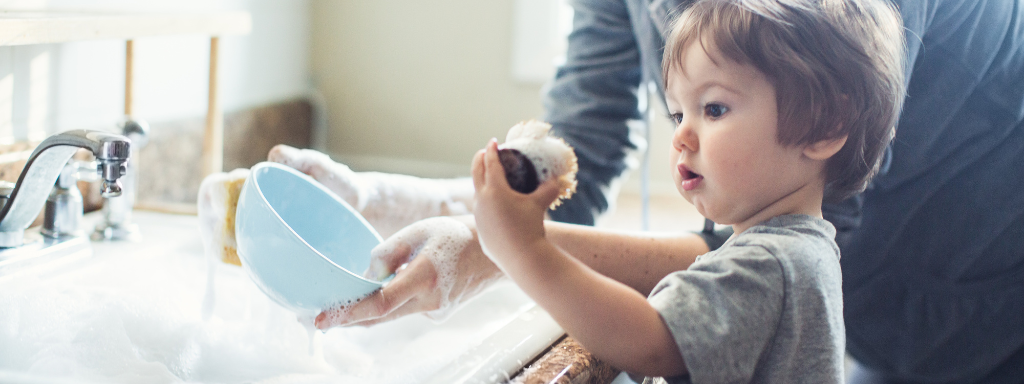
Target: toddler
x=778 y=105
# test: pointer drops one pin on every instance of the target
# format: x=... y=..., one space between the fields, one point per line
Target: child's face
x=725 y=155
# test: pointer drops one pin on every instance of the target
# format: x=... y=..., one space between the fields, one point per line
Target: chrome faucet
x=117 y=211
x=44 y=166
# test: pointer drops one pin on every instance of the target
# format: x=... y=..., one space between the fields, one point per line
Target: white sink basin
x=131 y=314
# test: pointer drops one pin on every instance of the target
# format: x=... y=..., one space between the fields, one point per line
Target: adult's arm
x=413 y=290
x=590 y=100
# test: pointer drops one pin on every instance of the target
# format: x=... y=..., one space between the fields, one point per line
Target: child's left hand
x=508 y=222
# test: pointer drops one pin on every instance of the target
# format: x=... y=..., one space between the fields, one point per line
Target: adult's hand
x=389 y=202
x=437 y=263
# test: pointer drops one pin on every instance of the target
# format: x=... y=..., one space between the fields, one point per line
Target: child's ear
x=824 y=149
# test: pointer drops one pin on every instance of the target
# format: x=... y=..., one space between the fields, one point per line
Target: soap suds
x=135 y=318
x=441 y=240
x=217 y=201
x=551 y=156
x=450 y=238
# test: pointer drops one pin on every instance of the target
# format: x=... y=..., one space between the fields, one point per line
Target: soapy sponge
x=530 y=157
x=218 y=200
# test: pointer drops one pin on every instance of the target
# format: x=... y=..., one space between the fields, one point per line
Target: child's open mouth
x=691 y=179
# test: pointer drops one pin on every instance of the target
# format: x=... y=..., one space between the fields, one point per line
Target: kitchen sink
x=131 y=313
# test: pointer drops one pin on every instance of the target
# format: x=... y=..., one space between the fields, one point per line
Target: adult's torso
x=932 y=274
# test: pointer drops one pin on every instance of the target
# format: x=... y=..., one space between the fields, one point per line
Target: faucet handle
x=63 y=213
x=6 y=189
x=76 y=170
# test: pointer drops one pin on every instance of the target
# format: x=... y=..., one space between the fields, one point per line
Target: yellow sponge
x=218 y=201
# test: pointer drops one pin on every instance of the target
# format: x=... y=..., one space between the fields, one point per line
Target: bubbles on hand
x=441 y=240
x=337 y=314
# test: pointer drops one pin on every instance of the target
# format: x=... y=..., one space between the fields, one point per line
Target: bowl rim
x=263 y=198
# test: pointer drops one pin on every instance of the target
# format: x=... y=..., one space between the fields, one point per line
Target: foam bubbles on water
x=136 y=318
x=210 y=295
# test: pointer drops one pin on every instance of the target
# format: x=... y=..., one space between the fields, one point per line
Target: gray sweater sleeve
x=591 y=99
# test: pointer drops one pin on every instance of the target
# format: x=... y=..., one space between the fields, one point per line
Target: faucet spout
x=110 y=171
x=44 y=166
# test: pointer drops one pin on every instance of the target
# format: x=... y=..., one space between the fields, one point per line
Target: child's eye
x=676 y=118
x=715 y=111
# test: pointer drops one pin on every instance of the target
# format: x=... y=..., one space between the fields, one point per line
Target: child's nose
x=684 y=137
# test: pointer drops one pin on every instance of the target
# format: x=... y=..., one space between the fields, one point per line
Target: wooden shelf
x=24 y=28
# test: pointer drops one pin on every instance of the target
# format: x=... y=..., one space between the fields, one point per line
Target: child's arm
x=613 y=321
x=610 y=319
x=617 y=254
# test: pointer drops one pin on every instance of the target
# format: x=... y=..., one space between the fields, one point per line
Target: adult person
x=932 y=252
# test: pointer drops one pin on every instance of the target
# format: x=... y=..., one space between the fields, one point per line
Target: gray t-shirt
x=766 y=307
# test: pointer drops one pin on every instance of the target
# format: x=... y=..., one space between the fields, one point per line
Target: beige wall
x=416 y=86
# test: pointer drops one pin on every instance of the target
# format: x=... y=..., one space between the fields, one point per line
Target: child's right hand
x=508 y=222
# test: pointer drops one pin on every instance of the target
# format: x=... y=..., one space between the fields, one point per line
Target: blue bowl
x=302 y=245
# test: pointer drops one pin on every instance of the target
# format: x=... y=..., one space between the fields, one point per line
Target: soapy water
x=137 y=318
x=309 y=323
